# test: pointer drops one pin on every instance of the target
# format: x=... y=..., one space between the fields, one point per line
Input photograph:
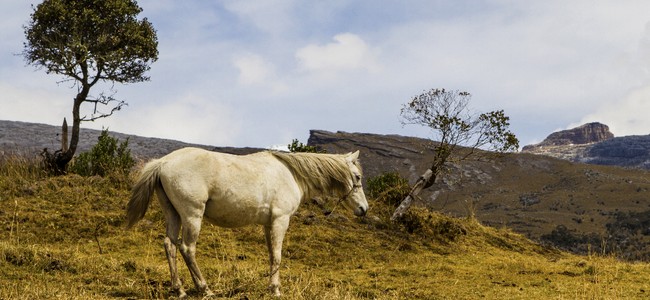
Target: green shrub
x=390 y=188
x=105 y=158
x=296 y=146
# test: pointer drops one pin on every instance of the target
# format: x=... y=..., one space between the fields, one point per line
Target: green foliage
x=447 y=114
x=88 y=42
x=390 y=188
x=91 y=40
x=297 y=146
x=105 y=158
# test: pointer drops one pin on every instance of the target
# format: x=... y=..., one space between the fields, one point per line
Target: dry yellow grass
x=61 y=238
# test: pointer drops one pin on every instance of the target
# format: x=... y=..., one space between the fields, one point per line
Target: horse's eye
x=358 y=177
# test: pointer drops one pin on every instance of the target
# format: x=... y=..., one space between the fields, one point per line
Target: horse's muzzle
x=360 y=211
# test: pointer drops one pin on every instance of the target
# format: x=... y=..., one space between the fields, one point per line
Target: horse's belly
x=227 y=213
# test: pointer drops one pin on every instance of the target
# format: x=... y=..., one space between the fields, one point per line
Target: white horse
x=264 y=188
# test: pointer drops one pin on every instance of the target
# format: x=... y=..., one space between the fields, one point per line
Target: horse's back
x=234 y=190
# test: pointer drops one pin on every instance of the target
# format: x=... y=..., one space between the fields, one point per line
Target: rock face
x=593 y=143
x=586 y=134
x=627 y=151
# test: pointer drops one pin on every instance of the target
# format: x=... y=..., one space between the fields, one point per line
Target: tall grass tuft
x=21 y=167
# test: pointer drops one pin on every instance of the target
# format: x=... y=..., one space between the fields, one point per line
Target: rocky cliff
x=593 y=143
x=586 y=134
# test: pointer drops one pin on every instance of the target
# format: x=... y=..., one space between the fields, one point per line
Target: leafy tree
x=460 y=133
x=88 y=42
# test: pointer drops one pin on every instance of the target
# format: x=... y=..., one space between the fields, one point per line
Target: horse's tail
x=142 y=192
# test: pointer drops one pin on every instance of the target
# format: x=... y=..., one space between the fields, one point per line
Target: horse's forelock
x=318 y=173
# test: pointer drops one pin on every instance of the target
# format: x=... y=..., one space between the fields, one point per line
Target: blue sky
x=260 y=73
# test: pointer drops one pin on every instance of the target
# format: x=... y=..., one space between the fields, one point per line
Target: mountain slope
x=24 y=138
x=575 y=206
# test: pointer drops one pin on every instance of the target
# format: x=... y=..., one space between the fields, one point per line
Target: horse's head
x=356 y=198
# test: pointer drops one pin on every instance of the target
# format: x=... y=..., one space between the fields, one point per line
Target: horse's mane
x=318 y=174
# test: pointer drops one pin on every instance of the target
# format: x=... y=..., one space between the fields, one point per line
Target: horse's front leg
x=274 y=235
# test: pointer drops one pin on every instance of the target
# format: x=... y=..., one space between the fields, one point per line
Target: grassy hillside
x=578 y=207
x=62 y=238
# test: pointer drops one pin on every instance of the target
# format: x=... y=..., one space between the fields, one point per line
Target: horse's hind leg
x=191 y=229
x=274 y=235
x=173 y=221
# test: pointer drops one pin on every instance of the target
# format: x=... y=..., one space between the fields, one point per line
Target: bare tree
x=460 y=133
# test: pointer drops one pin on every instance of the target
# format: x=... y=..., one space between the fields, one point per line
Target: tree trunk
x=426 y=180
x=58 y=161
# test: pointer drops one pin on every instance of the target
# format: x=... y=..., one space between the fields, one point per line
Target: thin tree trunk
x=426 y=180
x=60 y=159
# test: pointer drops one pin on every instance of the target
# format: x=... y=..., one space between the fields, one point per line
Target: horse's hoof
x=178 y=294
x=275 y=290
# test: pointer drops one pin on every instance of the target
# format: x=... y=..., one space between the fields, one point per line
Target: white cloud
x=255 y=71
x=628 y=116
x=32 y=103
x=268 y=16
x=189 y=118
x=252 y=69
x=347 y=52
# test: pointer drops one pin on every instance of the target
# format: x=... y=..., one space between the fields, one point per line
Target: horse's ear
x=353 y=156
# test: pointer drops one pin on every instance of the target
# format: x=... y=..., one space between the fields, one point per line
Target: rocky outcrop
x=627 y=151
x=586 y=134
x=593 y=143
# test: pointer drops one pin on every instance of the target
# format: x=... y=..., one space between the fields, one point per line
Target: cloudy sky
x=260 y=73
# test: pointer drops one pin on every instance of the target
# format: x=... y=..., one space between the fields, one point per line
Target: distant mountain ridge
x=593 y=143
x=30 y=139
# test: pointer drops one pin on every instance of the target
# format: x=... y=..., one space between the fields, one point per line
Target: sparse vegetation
x=460 y=132
x=389 y=188
x=62 y=238
x=107 y=157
